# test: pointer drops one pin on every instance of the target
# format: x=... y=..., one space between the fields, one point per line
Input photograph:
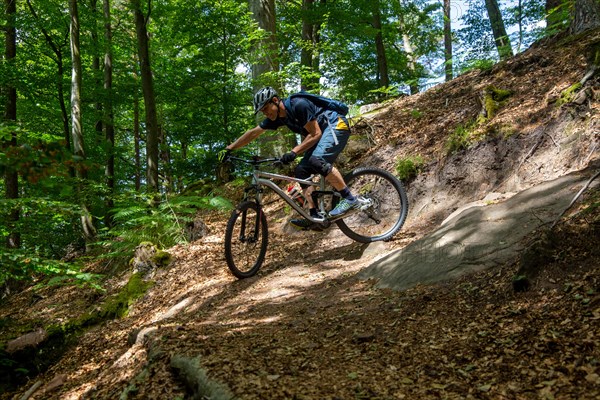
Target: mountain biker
x=325 y=134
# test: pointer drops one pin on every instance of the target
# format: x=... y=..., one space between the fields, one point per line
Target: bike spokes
x=383 y=208
x=246 y=239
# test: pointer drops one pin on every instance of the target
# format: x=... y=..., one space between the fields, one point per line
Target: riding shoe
x=343 y=207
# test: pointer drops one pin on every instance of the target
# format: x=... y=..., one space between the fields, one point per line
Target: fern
x=162 y=224
x=22 y=265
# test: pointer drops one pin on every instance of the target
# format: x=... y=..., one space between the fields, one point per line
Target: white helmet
x=262 y=97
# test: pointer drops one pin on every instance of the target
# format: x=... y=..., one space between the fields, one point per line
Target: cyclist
x=325 y=134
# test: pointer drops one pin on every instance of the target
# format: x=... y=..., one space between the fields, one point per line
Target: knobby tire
x=390 y=205
x=245 y=250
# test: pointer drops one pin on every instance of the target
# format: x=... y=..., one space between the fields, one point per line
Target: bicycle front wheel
x=246 y=239
x=384 y=209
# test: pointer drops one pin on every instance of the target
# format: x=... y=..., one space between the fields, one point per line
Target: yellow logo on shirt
x=341 y=125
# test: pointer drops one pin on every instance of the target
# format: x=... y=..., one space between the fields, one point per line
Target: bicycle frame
x=265 y=179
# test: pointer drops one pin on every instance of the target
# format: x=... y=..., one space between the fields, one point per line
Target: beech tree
x=152 y=131
x=309 y=54
x=266 y=48
x=58 y=42
x=108 y=117
x=447 y=41
x=498 y=29
x=586 y=15
x=11 y=177
x=382 y=64
x=77 y=122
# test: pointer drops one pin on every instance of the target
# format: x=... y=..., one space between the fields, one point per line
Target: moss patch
x=460 y=138
x=162 y=258
x=408 y=168
x=493 y=99
x=568 y=94
x=118 y=306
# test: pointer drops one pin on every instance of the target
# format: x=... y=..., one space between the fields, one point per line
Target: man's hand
x=223 y=155
x=288 y=157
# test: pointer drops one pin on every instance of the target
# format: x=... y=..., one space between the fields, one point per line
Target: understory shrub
x=409 y=167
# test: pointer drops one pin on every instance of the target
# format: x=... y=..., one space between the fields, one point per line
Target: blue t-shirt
x=303 y=110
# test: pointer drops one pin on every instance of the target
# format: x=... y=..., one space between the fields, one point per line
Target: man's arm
x=246 y=138
x=313 y=137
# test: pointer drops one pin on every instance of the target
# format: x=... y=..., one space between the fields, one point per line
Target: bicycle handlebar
x=257 y=161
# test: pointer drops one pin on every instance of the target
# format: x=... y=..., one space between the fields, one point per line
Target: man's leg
x=335 y=179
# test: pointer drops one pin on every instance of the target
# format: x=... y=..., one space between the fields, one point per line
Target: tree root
x=31 y=391
x=583 y=189
x=195 y=379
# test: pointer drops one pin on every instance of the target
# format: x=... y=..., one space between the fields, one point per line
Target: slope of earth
x=535 y=135
x=307 y=328
x=480 y=237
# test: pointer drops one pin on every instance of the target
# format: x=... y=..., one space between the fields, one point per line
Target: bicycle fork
x=253 y=238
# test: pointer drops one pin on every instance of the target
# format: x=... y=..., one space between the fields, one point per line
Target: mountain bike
x=382 y=210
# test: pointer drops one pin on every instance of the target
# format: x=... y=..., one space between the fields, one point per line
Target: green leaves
x=23 y=265
x=162 y=224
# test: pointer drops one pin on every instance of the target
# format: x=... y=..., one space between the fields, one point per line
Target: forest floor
x=306 y=327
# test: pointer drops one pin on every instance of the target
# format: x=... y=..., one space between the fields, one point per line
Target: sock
x=345 y=192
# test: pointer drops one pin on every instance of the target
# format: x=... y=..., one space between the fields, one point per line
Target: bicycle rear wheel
x=385 y=205
x=246 y=239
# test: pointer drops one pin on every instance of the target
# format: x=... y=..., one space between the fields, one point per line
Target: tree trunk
x=165 y=157
x=382 y=67
x=11 y=178
x=96 y=70
x=264 y=14
x=109 y=128
x=410 y=55
x=76 y=126
x=60 y=90
x=309 y=56
x=447 y=41
x=149 y=99
x=136 y=140
x=500 y=37
x=586 y=15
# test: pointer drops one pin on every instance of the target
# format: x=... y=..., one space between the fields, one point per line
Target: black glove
x=288 y=157
x=223 y=155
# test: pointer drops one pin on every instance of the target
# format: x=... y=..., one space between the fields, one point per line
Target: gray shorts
x=335 y=135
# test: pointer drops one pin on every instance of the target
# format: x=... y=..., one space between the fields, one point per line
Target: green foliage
x=416 y=114
x=409 y=167
x=474 y=47
x=557 y=18
x=164 y=223
x=385 y=92
x=36 y=160
x=483 y=64
x=20 y=265
x=47 y=228
x=459 y=139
